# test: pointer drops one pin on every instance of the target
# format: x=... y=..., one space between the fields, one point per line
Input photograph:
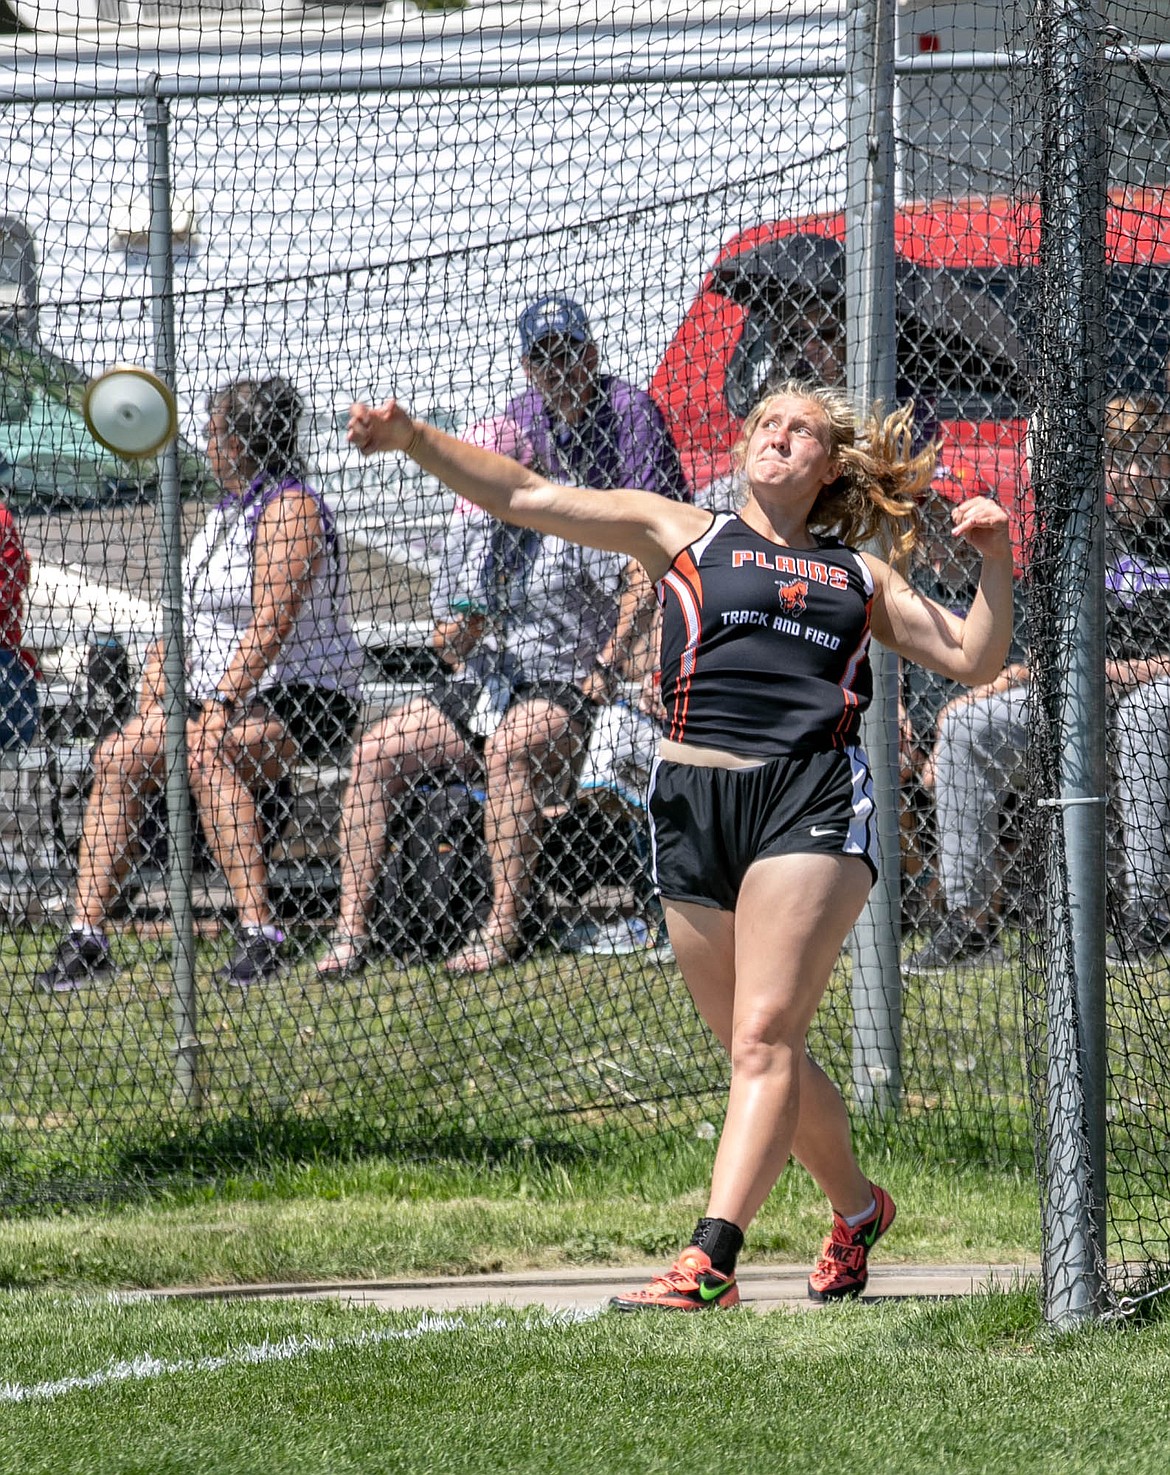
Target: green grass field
x=562 y=1111
x=565 y=1114
x=565 y=1051
x=382 y=1219
x=973 y=1385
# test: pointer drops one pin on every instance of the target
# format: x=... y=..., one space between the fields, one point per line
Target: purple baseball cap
x=553 y=317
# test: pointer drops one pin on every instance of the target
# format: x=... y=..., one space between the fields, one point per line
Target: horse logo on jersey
x=793 y=595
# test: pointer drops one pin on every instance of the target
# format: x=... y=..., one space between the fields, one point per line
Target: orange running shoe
x=691 y=1284
x=842 y=1269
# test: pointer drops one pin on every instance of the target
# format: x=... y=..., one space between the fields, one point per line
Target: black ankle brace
x=722 y=1240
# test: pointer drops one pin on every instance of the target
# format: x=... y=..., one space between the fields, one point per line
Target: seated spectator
x=535 y=630
x=1138 y=460
x=18 y=667
x=573 y=416
x=943 y=569
x=982 y=736
x=272 y=674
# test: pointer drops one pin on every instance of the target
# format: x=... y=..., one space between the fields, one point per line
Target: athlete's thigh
x=793 y=914
x=703 y=941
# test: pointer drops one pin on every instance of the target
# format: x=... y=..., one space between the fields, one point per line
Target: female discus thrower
x=760 y=800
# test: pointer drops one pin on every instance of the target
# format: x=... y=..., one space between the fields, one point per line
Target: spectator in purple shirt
x=583 y=427
x=534 y=630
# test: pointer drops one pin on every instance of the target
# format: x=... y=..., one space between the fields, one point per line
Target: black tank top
x=765 y=648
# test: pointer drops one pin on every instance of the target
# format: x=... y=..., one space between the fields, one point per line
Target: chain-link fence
x=419 y=890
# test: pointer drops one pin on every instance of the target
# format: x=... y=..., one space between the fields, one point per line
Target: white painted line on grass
x=145 y=1366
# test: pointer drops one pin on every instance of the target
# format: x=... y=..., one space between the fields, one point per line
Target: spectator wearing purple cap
x=536 y=631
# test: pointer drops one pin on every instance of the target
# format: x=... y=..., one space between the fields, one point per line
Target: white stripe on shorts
x=862 y=836
x=654 y=766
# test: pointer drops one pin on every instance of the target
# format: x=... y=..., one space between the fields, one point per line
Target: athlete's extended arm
x=971 y=648
x=644 y=525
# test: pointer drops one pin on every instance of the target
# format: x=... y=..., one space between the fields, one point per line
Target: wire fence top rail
x=700 y=53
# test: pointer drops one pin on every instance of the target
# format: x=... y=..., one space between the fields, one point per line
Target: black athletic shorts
x=707 y=825
x=457 y=700
x=319 y=720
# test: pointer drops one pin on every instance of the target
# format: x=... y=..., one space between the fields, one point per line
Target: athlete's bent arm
x=972 y=648
x=644 y=525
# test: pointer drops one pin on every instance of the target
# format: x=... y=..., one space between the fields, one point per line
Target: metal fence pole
x=871 y=334
x=184 y=1004
x=1069 y=467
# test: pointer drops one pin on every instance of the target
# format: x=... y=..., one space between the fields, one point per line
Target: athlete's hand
x=387 y=429
x=984 y=524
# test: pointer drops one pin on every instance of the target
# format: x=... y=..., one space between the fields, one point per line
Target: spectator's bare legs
x=227 y=767
x=416 y=739
x=126 y=766
x=757 y=977
x=529 y=750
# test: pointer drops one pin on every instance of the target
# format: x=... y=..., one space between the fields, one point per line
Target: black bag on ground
x=436 y=882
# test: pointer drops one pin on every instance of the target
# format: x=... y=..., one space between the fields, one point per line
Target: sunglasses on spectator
x=565 y=351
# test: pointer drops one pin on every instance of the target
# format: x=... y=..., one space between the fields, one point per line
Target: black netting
x=1129 y=1057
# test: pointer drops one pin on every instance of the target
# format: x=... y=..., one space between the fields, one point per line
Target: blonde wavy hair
x=875 y=500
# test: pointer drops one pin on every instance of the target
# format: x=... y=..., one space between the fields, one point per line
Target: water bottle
x=109 y=690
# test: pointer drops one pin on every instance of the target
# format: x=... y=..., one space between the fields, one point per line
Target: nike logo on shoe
x=691 y=1284
x=842 y=1271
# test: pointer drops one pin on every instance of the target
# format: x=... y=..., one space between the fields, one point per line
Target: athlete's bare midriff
x=702 y=757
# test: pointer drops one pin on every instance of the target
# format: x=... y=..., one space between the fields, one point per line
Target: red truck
x=773 y=303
